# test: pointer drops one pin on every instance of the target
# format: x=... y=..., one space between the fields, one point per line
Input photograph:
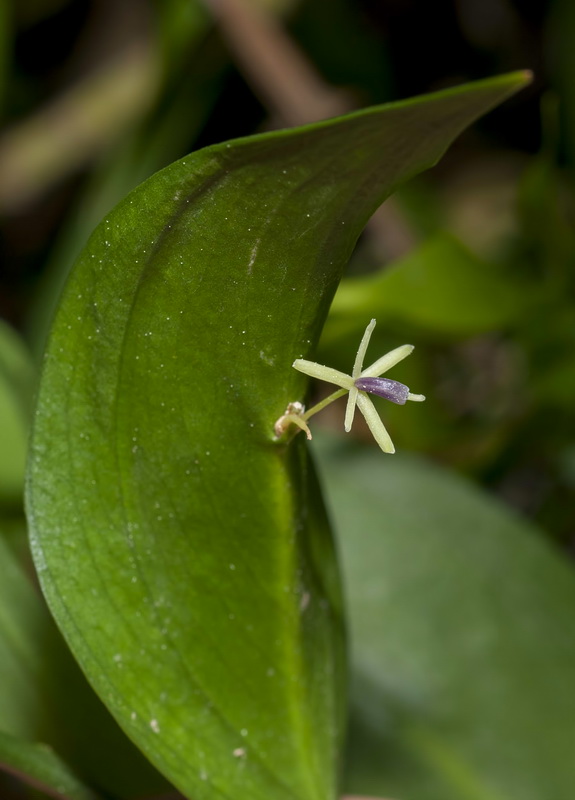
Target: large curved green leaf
x=184 y=552
x=463 y=638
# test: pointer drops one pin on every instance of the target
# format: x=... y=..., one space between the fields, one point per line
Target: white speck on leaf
x=270 y=360
x=253 y=255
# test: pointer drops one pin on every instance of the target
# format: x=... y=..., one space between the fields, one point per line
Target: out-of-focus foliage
x=16 y=386
x=459 y=657
x=473 y=263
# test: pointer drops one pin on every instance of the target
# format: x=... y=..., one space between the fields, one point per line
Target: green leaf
x=184 y=552
x=181 y=25
x=441 y=287
x=40 y=766
x=463 y=638
x=22 y=623
x=16 y=387
x=44 y=697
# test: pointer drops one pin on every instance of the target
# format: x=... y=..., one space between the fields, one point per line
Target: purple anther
x=384 y=387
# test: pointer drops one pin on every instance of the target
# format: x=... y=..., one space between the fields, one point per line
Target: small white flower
x=358 y=384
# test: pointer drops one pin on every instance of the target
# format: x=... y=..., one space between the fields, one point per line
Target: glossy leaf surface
x=184 y=552
x=463 y=640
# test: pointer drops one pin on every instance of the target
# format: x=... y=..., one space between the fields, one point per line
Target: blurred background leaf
x=39 y=766
x=17 y=377
x=462 y=636
x=441 y=288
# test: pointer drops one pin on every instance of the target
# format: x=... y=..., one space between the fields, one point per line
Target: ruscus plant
x=241 y=636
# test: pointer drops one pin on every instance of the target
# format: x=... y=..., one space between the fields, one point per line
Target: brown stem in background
x=274 y=66
x=38 y=152
x=120 y=78
x=291 y=89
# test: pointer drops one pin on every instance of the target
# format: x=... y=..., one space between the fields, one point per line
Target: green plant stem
x=323 y=403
